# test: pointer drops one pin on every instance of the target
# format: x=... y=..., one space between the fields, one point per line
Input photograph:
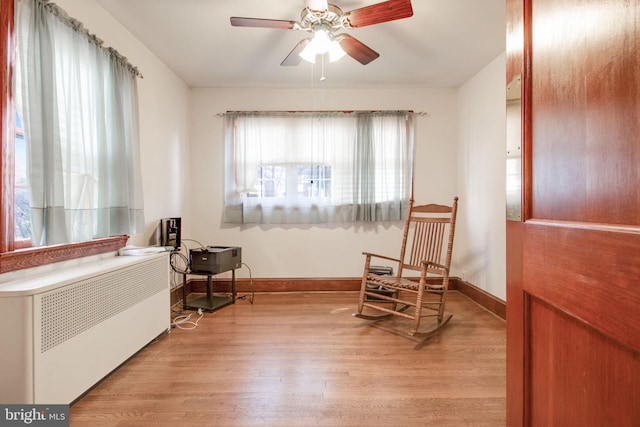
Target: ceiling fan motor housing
x=328 y=20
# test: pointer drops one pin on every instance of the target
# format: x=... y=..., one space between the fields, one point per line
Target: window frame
x=11 y=257
x=291 y=182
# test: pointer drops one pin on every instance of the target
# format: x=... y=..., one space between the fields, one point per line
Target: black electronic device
x=170 y=232
x=215 y=259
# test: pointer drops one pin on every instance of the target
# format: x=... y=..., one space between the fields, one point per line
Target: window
x=314 y=181
x=38 y=192
x=313 y=167
x=271 y=181
x=77 y=102
x=292 y=181
x=22 y=213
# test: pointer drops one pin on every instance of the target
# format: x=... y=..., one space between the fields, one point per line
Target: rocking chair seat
x=401 y=283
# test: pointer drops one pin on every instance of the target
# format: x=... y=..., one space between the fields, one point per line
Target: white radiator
x=63 y=331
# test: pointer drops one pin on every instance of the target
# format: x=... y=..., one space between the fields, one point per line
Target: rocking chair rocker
x=419 y=287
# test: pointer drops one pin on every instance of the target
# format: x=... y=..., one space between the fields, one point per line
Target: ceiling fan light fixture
x=308 y=53
x=322 y=43
x=336 y=52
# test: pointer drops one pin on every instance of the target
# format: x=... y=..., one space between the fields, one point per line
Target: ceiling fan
x=324 y=20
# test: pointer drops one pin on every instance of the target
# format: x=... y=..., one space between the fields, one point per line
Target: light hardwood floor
x=301 y=359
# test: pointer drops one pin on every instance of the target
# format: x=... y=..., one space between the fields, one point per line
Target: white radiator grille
x=71 y=310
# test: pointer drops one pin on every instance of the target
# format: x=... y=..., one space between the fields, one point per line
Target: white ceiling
x=443 y=44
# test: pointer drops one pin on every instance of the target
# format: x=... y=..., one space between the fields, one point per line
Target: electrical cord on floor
x=253 y=290
x=185 y=319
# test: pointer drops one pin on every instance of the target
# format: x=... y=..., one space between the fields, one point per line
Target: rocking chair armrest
x=372 y=255
x=426 y=264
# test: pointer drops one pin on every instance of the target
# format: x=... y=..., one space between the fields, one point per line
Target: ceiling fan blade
x=263 y=23
x=356 y=49
x=378 y=13
x=294 y=57
x=317 y=5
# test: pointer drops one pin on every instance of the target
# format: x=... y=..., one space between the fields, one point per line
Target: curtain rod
x=419 y=113
x=77 y=26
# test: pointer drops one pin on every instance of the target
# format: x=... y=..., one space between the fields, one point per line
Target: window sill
x=33 y=257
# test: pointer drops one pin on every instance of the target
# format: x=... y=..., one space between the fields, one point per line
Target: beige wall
x=333 y=250
x=480 y=251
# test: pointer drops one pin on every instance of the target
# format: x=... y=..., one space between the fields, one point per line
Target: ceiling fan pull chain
x=322 y=77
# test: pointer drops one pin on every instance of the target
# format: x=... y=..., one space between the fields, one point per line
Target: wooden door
x=573 y=260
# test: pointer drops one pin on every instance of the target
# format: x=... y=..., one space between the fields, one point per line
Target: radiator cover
x=63 y=331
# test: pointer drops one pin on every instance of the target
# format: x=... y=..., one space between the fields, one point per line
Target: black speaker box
x=215 y=259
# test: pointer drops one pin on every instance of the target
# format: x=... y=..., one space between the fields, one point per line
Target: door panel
x=579 y=377
x=588 y=274
x=585 y=110
x=573 y=262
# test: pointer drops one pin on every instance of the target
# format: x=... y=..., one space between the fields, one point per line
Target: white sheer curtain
x=79 y=107
x=367 y=158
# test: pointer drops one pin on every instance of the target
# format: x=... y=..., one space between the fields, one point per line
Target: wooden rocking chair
x=419 y=287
